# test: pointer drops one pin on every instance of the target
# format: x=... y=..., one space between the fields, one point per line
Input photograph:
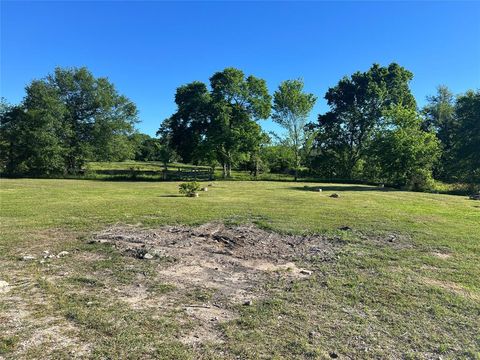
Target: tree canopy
x=373 y=130
x=357 y=104
x=66 y=119
x=218 y=125
x=291 y=107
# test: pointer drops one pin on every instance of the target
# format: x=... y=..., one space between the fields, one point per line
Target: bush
x=189 y=188
x=420 y=180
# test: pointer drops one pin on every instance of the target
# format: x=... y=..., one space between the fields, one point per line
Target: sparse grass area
x=417 y=298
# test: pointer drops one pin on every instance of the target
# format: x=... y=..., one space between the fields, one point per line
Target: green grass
x=133 y=167
x=374 y=301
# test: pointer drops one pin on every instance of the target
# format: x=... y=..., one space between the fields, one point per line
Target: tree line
x=373 y=129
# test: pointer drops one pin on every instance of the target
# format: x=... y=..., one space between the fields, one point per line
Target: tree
x=65 y=120
x=33 y=133
x=237 y=102
x=9 y=115
x=356 y=105
x=218 y=125
x=440 y=117
x=466 y=138
x=402 y=153
x=291 y=108
x=278 y=157
x=99 y=119
x=186 y=129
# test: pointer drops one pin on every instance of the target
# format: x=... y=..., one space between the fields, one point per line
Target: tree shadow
x=342 y=188
x=171 y=196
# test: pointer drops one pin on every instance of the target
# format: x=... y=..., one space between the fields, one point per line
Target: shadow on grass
x=171 y=196
x=342 y=188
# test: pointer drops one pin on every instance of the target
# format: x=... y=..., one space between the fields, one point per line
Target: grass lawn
x=414 y=296
x=131 y=169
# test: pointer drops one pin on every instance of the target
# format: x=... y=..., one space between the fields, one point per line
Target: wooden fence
x=180 y=174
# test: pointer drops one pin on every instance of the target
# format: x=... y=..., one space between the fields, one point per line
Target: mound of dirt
x=228 y=263
x=245 y=242
x=227 y=259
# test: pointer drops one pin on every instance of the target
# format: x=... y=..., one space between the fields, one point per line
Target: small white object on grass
x=4 y=286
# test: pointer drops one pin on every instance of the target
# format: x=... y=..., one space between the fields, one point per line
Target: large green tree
x=9 y=127
x=440 y=117
x=99 y=118
x=237 y=103
x=466 y=138
x=185 y=131
x=33 y=134
x=291 y=107
x=357 y=104
x=219 y=125
x=402 y=153
x=65 y=120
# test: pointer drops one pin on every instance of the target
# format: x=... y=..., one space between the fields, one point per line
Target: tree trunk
x=296 y=164
x=224 y=170
x=229 y=170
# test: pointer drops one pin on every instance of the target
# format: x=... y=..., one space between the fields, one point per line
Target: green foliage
x=32 y=136
x=237 y=102
x=420 y=180
x=151 y=149
x=440 y=118
x=372 y=131
x=279 y=158
x=189 y=189
x=220 y=125
x=356 y=105
x=66 y=119
x=467 y=137
x=402 y=153
x=187 y=127
x=457 y=127
x=291 y=108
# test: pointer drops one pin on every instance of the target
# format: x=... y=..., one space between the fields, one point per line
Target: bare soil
x=226 y=266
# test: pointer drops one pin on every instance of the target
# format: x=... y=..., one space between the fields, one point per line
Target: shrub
x=420 y=180
x=189 y=188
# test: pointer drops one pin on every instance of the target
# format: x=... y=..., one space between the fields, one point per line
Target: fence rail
x=169 y=174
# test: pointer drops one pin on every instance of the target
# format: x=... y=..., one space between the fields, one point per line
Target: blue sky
x=149 y=48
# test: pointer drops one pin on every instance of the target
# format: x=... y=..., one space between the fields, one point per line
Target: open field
x=152 y=171
x=393 y=274
x=131 y=170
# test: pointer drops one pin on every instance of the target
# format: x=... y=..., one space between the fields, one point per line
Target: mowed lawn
x=416 y=296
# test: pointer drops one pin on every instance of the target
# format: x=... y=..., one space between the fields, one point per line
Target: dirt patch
x=442 y=255
x=216 y=254
x=4 y=286
x=452 y=287
x=243 y=242
x=215 y=267
x=33 y=334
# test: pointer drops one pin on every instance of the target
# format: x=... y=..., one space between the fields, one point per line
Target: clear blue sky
x=149 y=48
